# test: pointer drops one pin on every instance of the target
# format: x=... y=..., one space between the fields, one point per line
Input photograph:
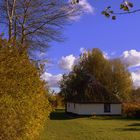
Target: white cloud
x=131 y=58
x=83 y=50
x=67 y=62
x=106 y=55
x=86 y=6
x=136 y=78
x=51 y=79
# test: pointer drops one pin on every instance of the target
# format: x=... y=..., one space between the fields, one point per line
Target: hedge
x=24 y=106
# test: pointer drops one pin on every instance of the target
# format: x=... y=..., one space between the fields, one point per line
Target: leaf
x=108 y=7
x=126 y=8
x=113 y=17
x=103 y=12
x=121 y=6
x=130 y=4
x=107 y=14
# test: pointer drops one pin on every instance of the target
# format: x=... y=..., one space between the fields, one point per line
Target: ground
x=68 y=127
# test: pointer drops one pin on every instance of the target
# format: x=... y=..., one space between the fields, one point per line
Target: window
x=74 y=106
x=106 y=108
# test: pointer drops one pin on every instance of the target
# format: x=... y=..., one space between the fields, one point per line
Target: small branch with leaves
x=126 y=8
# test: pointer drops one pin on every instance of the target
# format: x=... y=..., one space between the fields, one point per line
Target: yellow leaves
x=109 y=13
x=112 y=74
x=126 y=5
x=23 y=103
x=131 y=109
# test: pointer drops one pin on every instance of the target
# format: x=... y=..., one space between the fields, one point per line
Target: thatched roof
x=95 y=93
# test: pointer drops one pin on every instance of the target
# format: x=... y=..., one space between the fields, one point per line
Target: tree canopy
x=136 y=95
x=92 y=68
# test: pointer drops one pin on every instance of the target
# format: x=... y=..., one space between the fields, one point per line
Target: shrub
x=56 y=100
x=23 y=101
x=131 y=109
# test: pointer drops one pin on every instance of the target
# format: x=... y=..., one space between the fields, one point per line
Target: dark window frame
x=74 y=106
x=107 y=108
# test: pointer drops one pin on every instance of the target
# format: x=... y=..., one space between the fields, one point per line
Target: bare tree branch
x=37 y=22
x=128 y=12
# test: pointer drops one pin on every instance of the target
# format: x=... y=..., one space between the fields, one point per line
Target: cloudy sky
x=120 y=38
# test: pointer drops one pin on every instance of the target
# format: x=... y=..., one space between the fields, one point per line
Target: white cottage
x=100 y=102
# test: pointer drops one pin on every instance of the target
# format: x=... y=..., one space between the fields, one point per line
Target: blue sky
x=119 y=38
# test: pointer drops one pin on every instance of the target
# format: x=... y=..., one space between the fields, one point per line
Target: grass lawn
x=66 y=127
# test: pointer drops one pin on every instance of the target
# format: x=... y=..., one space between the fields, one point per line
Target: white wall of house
x=90 y=109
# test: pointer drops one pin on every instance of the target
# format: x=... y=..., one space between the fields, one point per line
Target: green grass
x=66 y=127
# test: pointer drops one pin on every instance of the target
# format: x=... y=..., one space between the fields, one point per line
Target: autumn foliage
x=23 y=102
x=131 y=109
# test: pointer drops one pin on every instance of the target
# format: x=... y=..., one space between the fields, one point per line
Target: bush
x=23 y=101
x=131 y=110
x=56 y=100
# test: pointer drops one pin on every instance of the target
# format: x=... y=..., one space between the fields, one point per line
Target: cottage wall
x=90 y=109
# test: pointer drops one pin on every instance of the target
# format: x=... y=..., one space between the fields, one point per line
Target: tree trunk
x=10 y=29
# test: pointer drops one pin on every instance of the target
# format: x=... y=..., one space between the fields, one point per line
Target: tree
x=24 y=105
x=73 y=86
x=121 y=80
x=56 y=100
x=92 y=68
x=34 y=23
x=97 y=65
x=135 y=95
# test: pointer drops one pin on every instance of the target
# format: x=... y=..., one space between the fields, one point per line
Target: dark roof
x=96 y=93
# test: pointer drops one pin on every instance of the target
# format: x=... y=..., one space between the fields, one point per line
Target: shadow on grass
x=60 y=114
x=134 y=124
x=130 y=127
x=115 y=118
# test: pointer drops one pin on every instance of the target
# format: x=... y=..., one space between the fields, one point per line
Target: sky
x=117 y=39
